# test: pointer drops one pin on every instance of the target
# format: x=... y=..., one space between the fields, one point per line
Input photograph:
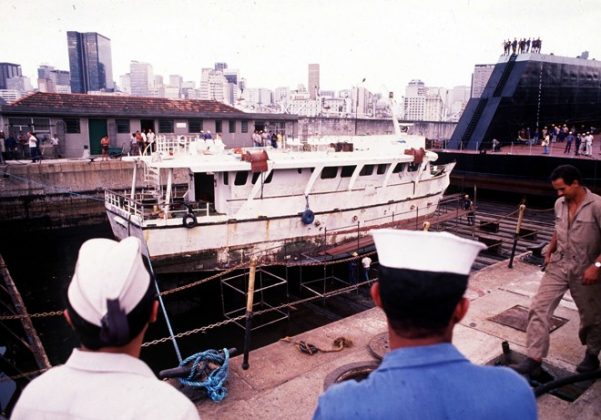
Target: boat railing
x=123 y=202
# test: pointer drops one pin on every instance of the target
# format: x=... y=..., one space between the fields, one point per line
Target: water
x=42 y=263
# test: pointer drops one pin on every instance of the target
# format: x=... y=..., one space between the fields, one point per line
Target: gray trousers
x=551 y=290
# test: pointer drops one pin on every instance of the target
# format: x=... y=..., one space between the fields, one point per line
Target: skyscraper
x=313 y=81
x=8 y=70
x=141 y=78
x=480 y=78
x=90 y=62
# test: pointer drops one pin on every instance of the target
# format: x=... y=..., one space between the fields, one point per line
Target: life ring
x=189 y=220
x=308 y=217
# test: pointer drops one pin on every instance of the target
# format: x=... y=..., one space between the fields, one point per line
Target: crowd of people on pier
x=28 y=145
x=262 y=138
x=522 y=46
x=578 y=141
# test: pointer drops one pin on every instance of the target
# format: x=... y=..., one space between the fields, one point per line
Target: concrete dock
x=283 y=383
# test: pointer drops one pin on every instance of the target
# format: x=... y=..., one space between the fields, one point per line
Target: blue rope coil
x=215 y=379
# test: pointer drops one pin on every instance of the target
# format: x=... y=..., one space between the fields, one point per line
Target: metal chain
x=256 y=313
x=37 y=315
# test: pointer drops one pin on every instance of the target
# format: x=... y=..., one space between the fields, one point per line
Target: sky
x=271 y=42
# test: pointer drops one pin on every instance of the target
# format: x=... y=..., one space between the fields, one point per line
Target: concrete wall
x=344 y=126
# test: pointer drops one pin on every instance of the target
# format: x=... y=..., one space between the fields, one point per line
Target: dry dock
x=283 y=383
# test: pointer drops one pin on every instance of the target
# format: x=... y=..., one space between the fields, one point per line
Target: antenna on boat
x=395 y=118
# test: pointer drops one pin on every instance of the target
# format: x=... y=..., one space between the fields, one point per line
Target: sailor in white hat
x=110 y=302
x=423 y=276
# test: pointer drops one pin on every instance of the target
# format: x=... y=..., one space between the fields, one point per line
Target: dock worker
x=110 y=302
x=573 y=262
x=469 y=206
x=423 y=277
x=366 y=263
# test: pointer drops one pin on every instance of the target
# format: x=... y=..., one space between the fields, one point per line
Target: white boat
x=272 y=203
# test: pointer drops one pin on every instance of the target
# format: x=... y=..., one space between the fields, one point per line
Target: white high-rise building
x=213 y=85
x=313 y=80
x=457 y=100
x=480 y=78
x=125 y=83
x=20 y=83
x=141 y=78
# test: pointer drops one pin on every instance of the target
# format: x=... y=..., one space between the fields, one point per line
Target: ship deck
x=284 y=383
x=555 y=150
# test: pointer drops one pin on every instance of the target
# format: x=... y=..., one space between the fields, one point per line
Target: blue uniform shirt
x=430 y=382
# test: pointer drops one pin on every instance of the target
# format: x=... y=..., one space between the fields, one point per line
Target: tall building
x=8 y=70
x=52 y=80
x=480 y=77
x=220 y=66
x=313 y=81
x=90 y=62
x=415 y=100
x=141 y=78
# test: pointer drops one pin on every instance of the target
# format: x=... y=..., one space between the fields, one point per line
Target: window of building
x=244 y=126
x=232 y=126
x=72 y=125
x=381 y=168
x=241 y=177
x=367 y=170
x=329 y=172
x=122 y=125
x=347 y=171
x=165 y=126
x=40 y=125
x=195 y=126
x=218 y=126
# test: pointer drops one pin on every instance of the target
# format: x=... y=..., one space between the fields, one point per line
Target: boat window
x=367 y=170
x=381 y=168
x=329 y=172
x=413 y=167
x=241 y=177
x=256 y=176
x=226 y=178
x=347 y=171
x=398 y=168
x=299 y=170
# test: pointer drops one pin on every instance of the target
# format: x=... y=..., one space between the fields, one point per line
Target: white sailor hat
x=106 y=271
x=438 y=252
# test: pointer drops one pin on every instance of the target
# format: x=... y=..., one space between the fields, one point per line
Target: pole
x=517 y=233
x=37 y=348
x=249 y=310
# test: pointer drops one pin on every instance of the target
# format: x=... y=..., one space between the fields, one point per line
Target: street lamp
x=357 y=105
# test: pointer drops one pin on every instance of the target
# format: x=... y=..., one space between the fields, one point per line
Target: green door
x=97 y=130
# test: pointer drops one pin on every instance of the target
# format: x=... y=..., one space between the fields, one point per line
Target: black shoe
x=527 y=366
x=590 y=363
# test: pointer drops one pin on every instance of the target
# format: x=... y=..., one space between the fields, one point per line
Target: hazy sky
x=271 y=42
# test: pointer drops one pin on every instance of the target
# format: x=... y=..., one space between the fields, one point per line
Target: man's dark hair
x=568 y=173
x=92 y=336
x=420 y=304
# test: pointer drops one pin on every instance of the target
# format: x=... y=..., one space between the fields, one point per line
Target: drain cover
x=357 y=371
x=378 y=346
x=517 y=317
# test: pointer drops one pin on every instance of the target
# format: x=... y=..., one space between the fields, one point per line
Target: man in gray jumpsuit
x=573 y=262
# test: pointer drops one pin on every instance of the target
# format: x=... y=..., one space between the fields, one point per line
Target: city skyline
x=272 y=42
